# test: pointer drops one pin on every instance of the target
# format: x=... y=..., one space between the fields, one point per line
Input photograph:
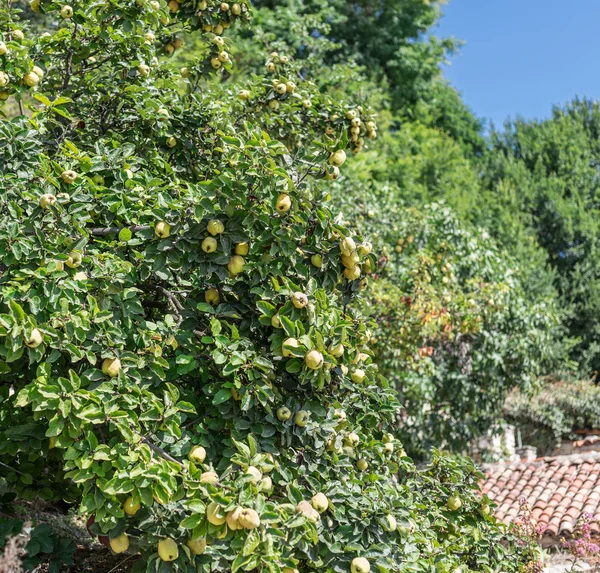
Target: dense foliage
x=455 y=329
x=451 y=352
x=544 y=173
x=556 y=410
x=184 y=359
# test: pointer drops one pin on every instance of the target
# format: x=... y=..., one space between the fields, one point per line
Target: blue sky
x=522 y=56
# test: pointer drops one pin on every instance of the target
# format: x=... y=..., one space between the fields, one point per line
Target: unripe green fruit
x=332 y=172
x=351 y=260
x=301 y=418
x=215 y=227
x=196 y=545
x=284 y=414
x=337 y=350
x=320 y=502
x=249 y=519
x=68 y=176
x=235 y=265
x=35 y=339
x=111 y=367
x=66 y=12
x=352 y=439
x=255 y=474
x=168 y=550
x=299 y=300
x=454 y=502
x=47 y=199
x=215 y=514
x=232 y=519
x=347 y=246
x=265 y=484
x=317 y=261
x=360 y=565
x=284 y=202
x=390 y=523
x=197 y=455
x=120 y=544
x=291 y=342
x=209 y=477
x=362 y=465
x=211 y=296
x=31 y=79
x=131 y=508
x=352 y=273
x=74 y=260
x=162 y=230
x=358 y=376
x=365 y=249
x=241 y=249
x=337 y=158
x=209 y=245
x=313 y=359
x=308 y=511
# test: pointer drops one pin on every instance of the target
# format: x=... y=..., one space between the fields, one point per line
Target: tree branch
x=161 y=452
x=69 y=60
x=102 y=231
x=174 y=302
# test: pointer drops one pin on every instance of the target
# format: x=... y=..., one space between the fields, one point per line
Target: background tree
x=544 y=172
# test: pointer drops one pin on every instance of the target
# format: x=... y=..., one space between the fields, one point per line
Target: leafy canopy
x=175 y=363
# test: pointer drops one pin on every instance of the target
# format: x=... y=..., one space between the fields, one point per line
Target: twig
x=174 y=302
x=102 y=231
x=69 y=60
x=12 y=469
x=161 y=452
x=118 y=565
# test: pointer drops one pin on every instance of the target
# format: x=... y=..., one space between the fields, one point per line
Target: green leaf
x=221 y=396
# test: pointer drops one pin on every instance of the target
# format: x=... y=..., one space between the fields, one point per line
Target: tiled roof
x=587 y=441
x=557 y=489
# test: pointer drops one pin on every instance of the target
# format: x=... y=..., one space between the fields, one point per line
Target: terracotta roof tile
x=558 y=489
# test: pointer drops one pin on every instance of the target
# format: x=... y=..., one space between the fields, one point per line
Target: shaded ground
x=97 y=559
x=90 y=556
